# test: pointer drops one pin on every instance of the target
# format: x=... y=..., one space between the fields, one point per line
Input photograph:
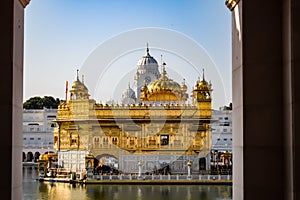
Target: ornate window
x=164 y=140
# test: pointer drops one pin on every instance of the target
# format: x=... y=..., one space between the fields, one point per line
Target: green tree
x=40 y=103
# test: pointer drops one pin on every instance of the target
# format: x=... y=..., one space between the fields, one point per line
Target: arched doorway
x=36 y=156
x=108 y=159
x=29 y=156
x=24 y=157
x=202 y=164
x=106 y=163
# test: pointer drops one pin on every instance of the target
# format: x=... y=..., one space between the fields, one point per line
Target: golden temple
x=160 y=129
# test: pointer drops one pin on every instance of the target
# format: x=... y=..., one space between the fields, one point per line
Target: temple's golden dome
x=164 y=89
x=164 y=84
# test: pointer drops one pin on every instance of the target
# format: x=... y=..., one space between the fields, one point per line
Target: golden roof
x=164 y=84
x=163 y=89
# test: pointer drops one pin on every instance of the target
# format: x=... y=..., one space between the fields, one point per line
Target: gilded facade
x=161 y=130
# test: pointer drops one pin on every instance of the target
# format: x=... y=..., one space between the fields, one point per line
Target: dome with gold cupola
x=147 y=71
x=202 y=84
x=202 y=90
x=163 y=90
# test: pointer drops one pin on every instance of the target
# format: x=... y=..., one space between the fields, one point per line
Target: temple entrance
x=164 y=169
x=106 y=164
x=202 y=164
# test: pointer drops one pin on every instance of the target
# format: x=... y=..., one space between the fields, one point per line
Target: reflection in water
x=36 y=190
x=156 y=192
x=188 y=195
x=139 y=195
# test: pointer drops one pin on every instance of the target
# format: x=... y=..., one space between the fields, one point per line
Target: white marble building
x=222 y=130
x=38 y=126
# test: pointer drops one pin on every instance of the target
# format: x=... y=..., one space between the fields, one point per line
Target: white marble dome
x=147 y=61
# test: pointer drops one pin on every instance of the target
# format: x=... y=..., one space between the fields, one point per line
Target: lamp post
x=214 y=160
x=216 y=157
x=140 y=169
x=189 y=164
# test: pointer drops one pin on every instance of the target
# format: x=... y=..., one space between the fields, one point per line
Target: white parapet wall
x=73 y=160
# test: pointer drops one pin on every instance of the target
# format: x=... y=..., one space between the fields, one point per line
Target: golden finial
x=203 y=75
x=163 y=69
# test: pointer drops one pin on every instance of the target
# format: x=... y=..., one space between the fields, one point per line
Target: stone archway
x=108 y=159
x=202 y=164
x=36 y=156
x=29 y=156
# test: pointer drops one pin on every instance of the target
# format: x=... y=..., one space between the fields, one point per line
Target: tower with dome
x=147 y=71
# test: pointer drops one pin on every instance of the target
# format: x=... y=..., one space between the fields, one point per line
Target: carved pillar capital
x=24 y=3
x=231 y=4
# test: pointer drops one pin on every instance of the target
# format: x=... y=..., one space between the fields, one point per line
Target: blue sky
x=60 y=36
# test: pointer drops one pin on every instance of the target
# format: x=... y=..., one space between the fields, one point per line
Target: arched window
x=96 y=139
x=115 y=141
